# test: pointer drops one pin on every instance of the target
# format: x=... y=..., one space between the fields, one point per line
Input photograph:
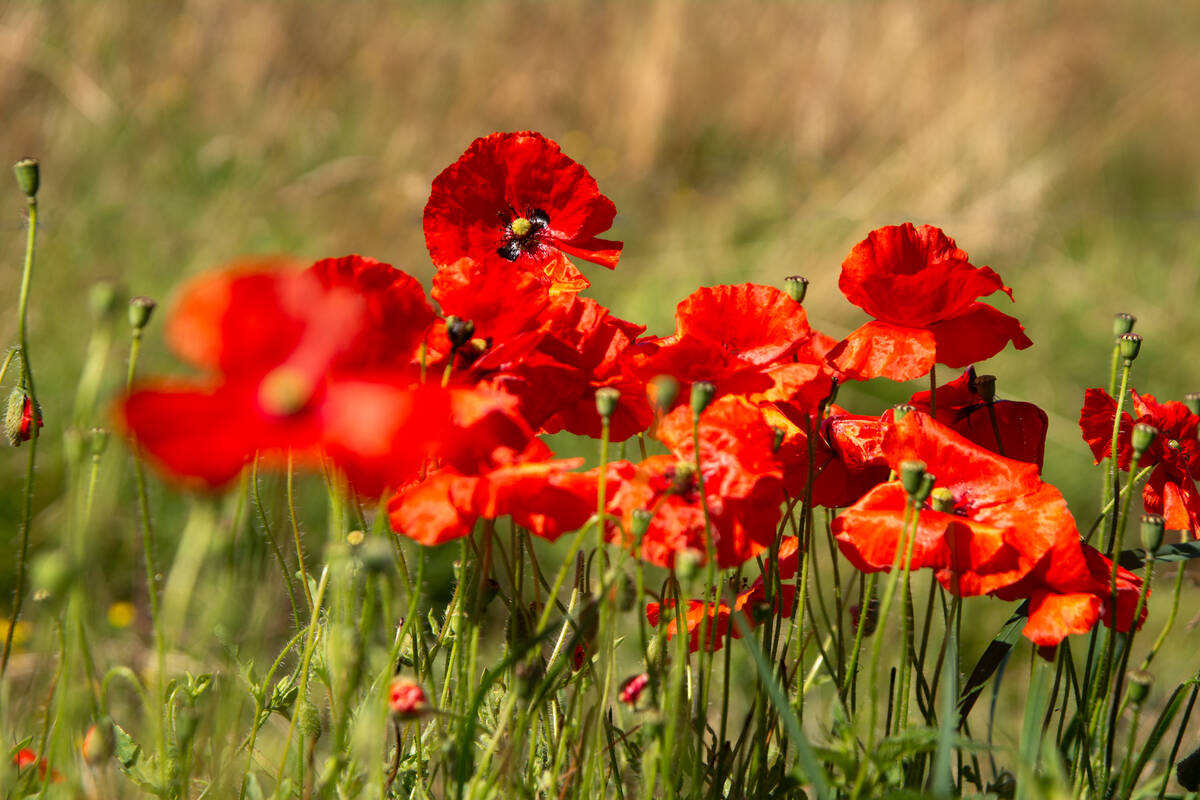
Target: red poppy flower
x=746 y=339
x=753 y=602
x=847 y=453
x=1000 y=521
x=1175 y=453
x=1021 y=427
x=25 y=758
x=742 y=482
x=922 y=291
x=514 y=201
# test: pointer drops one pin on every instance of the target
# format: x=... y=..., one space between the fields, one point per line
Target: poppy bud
x=310 y=721
x=663 y=391
x=901 y=411
x=19 y=417
x=406 y=699
x=606 y=401
x=796 y=287
x=942 y=499
x=51 y=575
x=1123 y=323
x=927 y=481
x=1130 y=344
x=868 y=620
x=1192 y=401
x=1187 y=771
x=1143 y=436
x=912 y=475
x=1139 y=686
x=103 y=300
x=985 y=387
x=702 y=395
x=641 y=522
x=1152 y=532
x=28 y=176
x=100 y=742
x=632 y=687
x=687 y=563
x=459 y=330
x=140 y=309
x=99 y=441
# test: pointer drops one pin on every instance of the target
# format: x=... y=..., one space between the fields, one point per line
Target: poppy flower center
x=522 y=234
x=284 y=391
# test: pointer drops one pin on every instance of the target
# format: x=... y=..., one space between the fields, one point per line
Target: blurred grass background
x=1056 y=142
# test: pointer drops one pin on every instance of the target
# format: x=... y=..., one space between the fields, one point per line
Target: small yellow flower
x=121 y=614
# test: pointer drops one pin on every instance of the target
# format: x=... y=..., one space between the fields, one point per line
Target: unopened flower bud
x=702 y=395
x=632 y=687
x=1130 y=344
x=20 y=416
x=901 y=411
x=459 y=330
x=927 y=482
x=1192 y=401
x=663 y=391
x=606 y=401
x=796 y=287
x=640 y=518
x=942 y=499
x=28 y=175
x=1139 y=686
x=140 y=309
x=103 y=300
x=912 y=475
x=406 y=699
x=868 y=620
x=1123 y=323
x=985 y=387
x=100 y=742
x=687 y=563
x=310 y=721
x=51 y=574
x=99 y=438
x=1143 y=436
x=1152 y=532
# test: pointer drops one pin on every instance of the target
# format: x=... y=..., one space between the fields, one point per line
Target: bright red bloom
x=1002 y=518
x=515 y=201
x=406 y=698
x=1021 y=426
x=922 y=291
x=632 y=688
x=747 y=339
x=847 y=452
x=742 y=482
x=753 y=602
x=1175 y=453
x=26 y=757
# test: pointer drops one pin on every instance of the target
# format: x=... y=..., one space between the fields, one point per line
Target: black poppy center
x=522 y=234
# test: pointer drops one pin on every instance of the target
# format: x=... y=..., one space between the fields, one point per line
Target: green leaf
x=127 y=751
x=995 y=654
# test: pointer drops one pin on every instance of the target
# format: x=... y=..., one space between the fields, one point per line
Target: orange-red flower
x=922 y=291
x=747 y=339
x=752 y=602
x=1175 y=453
x=514 y=201
x=1020 y=427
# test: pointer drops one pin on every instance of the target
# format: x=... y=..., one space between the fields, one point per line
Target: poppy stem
x=1114 y=485
x=933 y=390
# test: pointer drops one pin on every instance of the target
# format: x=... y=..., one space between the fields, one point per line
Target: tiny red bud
x=406 y=699
x=632 y=688
x=20 y=416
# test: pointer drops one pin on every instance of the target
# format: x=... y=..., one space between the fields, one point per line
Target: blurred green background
x=1056 y=142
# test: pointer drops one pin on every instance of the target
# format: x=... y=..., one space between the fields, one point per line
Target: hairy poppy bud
x=99 y=438
x=702 y=395
x=606 y=401
x=459 y=330
x=100 y=742
x=1152 y=532
x=1130 y=344
x=310 y=721
x=632 y=687
x=942 y=500
x=663 y=391
x=796 y=287
x=1123 y=323
x=1139 y=686
x=406 y=699
x=140 y=309
x=901 y=411
x=912 y=475
x=1192 y=401
x=20 y=417
x=1143 y=436
x=29 y=176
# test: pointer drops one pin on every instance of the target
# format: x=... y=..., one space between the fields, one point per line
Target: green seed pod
x=702 y=395
x=796 y=287
x=942 y=500
x=140 y=310
x=901 y=411
x=912 y=475
x=1152 y=532
x=29 y=176
x=606 y=401
x=1192 y=401
x=1130 y=344
x=663 y=391
x=1123 y=323
x=310 y=721
x=1139 y=686
x=103 y=300
x=99 y=438
x=1143 y=436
